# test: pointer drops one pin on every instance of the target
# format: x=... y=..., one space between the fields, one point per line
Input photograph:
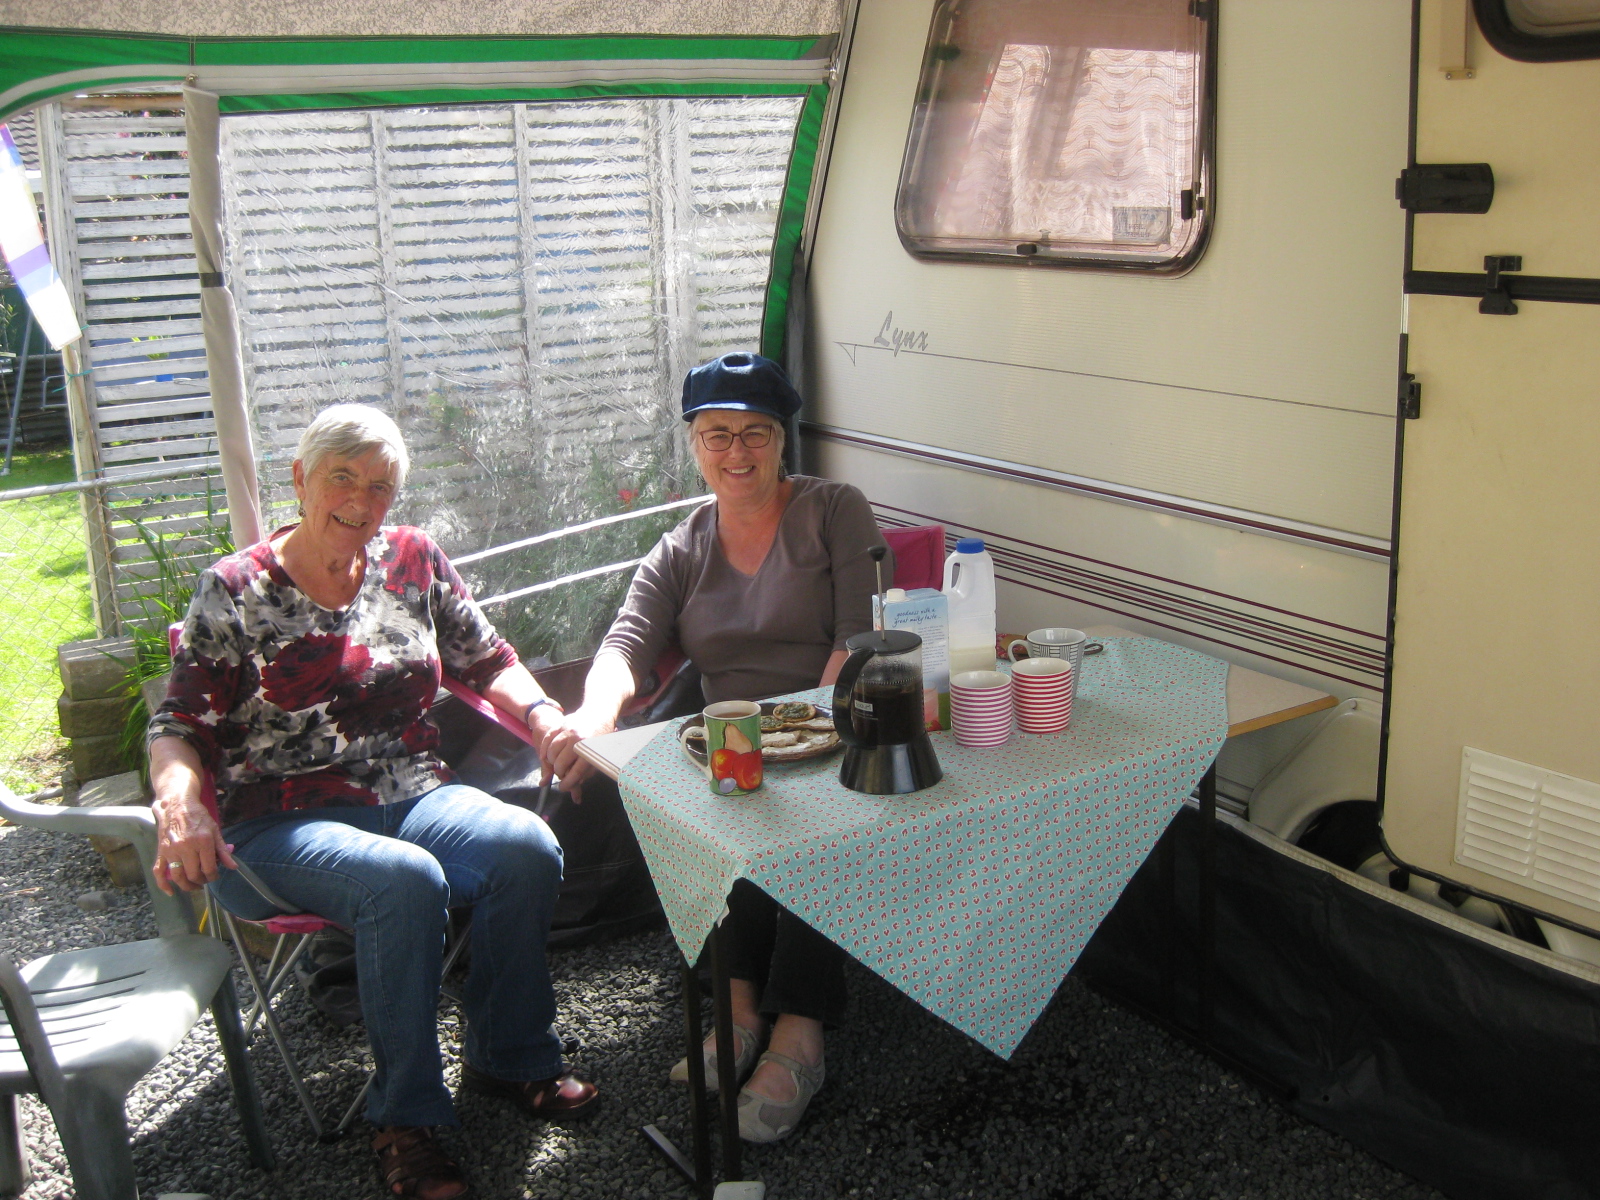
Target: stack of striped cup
x=1042 y=689
x=980 y=708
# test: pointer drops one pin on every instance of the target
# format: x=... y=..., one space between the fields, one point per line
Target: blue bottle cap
x=969 y=546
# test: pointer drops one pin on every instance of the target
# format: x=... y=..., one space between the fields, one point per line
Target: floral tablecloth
x=975 y=896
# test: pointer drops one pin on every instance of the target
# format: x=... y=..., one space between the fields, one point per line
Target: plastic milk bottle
x=969 y=586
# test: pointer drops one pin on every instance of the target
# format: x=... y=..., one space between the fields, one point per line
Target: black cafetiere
x=877 y=710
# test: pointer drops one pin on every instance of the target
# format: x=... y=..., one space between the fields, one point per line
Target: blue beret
x=742 y=381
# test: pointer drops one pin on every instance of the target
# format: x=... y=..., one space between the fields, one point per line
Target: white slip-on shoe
x=743 y=1062
x=765 y=1120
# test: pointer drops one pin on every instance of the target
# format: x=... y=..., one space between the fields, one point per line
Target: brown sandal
x=412 y=1165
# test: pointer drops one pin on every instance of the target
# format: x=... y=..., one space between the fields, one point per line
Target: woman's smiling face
x=739 y=472
x=345 y=500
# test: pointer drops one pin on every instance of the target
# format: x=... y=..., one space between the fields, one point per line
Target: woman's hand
x=559 y=751
x=609 y=686
x=544 y=721
x=189 y=845
x=514 y=690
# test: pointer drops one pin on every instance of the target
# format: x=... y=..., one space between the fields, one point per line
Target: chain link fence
x=44 y=601
x=46 y=595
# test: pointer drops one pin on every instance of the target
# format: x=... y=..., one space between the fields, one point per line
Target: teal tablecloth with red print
x=975 y=896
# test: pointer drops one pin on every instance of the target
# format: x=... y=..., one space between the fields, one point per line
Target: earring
x=301 y=509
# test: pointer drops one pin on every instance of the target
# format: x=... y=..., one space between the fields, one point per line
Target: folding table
x=974 y=897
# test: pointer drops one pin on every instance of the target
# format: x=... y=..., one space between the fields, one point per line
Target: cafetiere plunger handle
x=877 y=553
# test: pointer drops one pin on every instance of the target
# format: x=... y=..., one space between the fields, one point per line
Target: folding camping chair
x=292 y=930
x=85 y=1026
x=918 y=556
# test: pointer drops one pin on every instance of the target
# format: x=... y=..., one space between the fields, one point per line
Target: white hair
x=349 y=431
x=692 y=436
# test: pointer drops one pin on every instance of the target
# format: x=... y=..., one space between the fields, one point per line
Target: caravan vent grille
x=1535 y=827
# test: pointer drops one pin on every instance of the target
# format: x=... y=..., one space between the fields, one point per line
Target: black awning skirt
x=1462 y=1060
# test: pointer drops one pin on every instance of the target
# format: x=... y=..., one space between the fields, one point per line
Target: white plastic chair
x=85 y=1026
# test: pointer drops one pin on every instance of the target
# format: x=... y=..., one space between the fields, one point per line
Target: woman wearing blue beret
x=760 y=589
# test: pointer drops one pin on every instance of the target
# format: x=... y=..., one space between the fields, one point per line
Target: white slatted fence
x=123 y=193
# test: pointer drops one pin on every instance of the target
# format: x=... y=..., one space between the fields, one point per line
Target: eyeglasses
x=754 y=437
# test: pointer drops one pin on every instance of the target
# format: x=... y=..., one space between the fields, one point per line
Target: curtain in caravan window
x=523 y=287
x=1067 y=131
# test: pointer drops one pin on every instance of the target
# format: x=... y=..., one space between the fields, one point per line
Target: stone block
x=155 y=691
x=95 y=668
x=97 y=757
x=121 y=860
x=125 y=788
x=92 y=718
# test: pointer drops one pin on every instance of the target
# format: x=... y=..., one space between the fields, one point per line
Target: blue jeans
x=388 y=873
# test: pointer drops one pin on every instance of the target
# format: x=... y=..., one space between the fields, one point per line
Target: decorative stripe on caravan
x=1295 y=639
x=1339 y=540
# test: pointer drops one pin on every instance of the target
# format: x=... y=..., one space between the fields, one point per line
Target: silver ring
x=173 y=866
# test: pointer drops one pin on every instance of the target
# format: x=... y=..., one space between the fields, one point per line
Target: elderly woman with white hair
x=302 y=683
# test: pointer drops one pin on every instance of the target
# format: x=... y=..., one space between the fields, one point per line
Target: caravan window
x=1071 y=132
x=1541 y=30
x=1552 y=18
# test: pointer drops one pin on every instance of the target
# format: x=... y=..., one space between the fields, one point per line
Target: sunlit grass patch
x=44 y=601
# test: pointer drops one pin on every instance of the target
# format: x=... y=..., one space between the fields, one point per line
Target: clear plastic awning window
x=523 y=287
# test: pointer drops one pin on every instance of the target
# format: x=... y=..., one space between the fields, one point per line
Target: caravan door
x=1493 y=761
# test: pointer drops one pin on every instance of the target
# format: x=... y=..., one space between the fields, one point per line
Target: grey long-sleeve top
x=760 y=635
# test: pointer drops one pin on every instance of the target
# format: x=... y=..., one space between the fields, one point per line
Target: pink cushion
x=918 y=556
x=294 y=923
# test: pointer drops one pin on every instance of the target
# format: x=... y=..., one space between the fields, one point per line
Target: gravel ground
x=1096 y=1103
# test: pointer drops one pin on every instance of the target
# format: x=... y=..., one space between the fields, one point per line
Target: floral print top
x=292 y=706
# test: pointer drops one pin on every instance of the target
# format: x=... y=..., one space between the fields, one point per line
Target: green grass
x=44 y=601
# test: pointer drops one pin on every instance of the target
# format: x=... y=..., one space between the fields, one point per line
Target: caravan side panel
x=1207 y=458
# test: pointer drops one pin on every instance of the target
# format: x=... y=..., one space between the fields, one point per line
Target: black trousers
x=793 y=967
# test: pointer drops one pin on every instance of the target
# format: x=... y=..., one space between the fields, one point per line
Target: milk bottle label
x=925 y=612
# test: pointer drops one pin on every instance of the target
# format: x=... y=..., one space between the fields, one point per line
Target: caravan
x=1265 y=327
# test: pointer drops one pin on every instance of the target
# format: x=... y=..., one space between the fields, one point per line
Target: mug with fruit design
x=733 y=746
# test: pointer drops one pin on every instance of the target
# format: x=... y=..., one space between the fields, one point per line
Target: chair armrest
x=135 y=825
x=37 y=1053
x=487 y=708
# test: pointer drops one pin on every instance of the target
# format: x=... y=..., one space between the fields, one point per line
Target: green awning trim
x=255 y=75
x=39 y=64
x=791 y=222
x=342 y=51
x=35 y=65
x=429 y=97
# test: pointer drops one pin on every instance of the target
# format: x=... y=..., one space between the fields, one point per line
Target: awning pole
x=218 y=319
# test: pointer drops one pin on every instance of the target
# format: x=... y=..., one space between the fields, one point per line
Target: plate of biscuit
x=791 y=731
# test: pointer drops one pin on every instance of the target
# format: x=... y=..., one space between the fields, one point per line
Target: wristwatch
x=528 y=712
